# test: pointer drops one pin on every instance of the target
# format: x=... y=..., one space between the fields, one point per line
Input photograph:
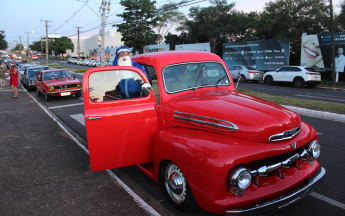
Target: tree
x=339 y=21
x=59 y=45
x=36 y=45
x=169 y=16
x=139 y=19
x=3 y=43
x=217 y=24
x=282 y=19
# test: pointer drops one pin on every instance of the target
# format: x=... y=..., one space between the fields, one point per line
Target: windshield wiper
x=219 y=81
x=196 y=87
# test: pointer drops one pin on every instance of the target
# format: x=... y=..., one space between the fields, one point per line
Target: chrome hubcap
x=175 y=183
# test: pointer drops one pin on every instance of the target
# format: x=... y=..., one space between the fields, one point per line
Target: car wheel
x=242 y=79
x=311 y=85
x=38 y=93
x=268 y=80
x=78 y=94
x=28 y=88
x=298 y=82
x=47 y=96
x=177 y=188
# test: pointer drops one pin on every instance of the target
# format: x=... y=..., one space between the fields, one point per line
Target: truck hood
x=255 y=119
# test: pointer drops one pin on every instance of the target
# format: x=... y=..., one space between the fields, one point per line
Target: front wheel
x=298 y=82
x=177 y=188
x=47 y=96
x=268 y=80
x=77 y=95
x=38 y=93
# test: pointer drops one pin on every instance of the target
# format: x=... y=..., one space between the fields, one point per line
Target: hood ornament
x=293 y=145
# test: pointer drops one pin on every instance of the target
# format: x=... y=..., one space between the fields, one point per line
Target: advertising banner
x=197 y=46
x=261 y=55
x=156 y=48
x=316 y=51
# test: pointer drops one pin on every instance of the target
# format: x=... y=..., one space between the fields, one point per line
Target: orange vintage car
x=212 y=146
x=53 y=83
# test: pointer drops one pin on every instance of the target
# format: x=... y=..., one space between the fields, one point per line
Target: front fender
x=205 y=159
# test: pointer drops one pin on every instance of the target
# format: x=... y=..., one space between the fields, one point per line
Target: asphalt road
x=70 y=110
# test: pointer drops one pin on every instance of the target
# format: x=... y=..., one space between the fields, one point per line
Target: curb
x=317 y=114
x=331 y=88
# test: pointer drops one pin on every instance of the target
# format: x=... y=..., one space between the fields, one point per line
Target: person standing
x=14 y=80
x=2 y=74
x=339 y=62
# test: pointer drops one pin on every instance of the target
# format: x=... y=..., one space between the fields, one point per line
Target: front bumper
x=281 y=202
x=59 y=92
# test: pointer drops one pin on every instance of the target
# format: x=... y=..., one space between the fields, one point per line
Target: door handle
x=93 y=118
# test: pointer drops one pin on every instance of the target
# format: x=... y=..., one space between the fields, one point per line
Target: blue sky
x=19 y=16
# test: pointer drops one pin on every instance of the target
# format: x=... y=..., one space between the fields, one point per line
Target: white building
x=90 y=45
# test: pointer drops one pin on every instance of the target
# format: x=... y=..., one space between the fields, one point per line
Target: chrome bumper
x=281 y=202
x=51 y=93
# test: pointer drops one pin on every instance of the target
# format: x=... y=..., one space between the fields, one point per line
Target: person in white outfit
x=339 y=62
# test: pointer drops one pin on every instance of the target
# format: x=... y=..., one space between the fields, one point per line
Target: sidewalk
x=44 y=172
x=341 y=88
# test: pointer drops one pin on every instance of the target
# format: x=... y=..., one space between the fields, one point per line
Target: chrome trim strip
x=271 y=139
x=282 y=201
x=93 y=118
x=233 y=127
x=63 y=91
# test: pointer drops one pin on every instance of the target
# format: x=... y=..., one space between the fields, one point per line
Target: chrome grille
x=285 y=135
x=65 y=86
x=207 y=122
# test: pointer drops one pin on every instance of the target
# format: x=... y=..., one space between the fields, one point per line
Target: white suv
x=293 y=74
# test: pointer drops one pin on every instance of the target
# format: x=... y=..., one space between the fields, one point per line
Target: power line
x=75 y=13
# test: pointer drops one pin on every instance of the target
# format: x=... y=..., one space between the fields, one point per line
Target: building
x=90 y=45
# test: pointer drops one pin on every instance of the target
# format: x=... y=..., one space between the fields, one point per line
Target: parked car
x=22 y=67
x=34 y=57
x=86 y=62
x=212 y=146
x=108 y=63
x=91 y=63
x=53 y=83
x=74 y=61
x=246 y=73
x=29 y=75
x=297 y=75
x=69 y=61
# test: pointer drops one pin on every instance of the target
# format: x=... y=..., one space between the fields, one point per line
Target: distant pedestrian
x=14 y=80
x=2 y=73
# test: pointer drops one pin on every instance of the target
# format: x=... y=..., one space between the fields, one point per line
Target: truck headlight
x=32 y=81
x=51 y=88
x=241 y=179
x=314 y=149
x=78 y=85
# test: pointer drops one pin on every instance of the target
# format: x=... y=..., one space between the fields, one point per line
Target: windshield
x=194 y=75
x=55 y=75
x=33 y=72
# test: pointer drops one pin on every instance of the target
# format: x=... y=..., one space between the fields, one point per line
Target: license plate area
x=65 y=93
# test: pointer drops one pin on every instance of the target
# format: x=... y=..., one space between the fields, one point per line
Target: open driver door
x=121 y=121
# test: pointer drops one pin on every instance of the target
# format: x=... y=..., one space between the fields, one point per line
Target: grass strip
x=80 y=70
x=302 y=103
x=329 y=83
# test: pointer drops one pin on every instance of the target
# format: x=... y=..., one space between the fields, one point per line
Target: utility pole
x=332 y=42
x=41 y=48
x=20 y=43
x=104 y=7
x=47 y=56
x=78 y=50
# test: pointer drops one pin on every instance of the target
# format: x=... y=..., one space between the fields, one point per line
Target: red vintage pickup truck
x=212 y=146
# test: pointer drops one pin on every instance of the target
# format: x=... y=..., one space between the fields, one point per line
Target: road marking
x=309 y=96
x=320 y=133
x=136 y=198
x=328 y=200
x=80 y=118
x=270 y=89
x=69 y=105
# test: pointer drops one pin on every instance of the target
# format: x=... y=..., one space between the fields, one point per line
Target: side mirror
x=146 y=88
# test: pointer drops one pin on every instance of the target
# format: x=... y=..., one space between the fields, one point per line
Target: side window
x=39 y=76
x=238 y=68
x=284 y=69
x=115 y=85
x=295 y=69
x=153 y=75
x=232 y=68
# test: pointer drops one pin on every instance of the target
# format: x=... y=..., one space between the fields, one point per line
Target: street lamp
x=27 y=36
